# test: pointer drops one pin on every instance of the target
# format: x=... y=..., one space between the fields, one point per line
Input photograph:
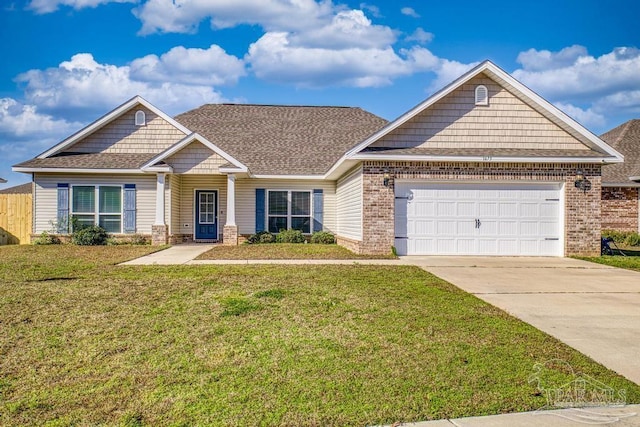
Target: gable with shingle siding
x=456 y=122
x=123 y=136
x=196 y=158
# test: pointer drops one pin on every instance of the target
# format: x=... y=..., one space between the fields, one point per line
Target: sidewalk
x=622 y=416
x=185 y=254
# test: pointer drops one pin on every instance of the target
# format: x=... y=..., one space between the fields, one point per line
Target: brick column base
x=230 y=235
x=159 y=234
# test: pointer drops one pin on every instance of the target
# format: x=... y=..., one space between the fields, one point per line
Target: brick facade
x=620 y=208
x=230 y=235
x=159 y=234
x=582 y=209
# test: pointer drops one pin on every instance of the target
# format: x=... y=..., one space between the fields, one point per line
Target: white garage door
x=478 y=219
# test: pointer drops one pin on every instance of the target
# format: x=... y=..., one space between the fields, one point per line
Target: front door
x=206 y=215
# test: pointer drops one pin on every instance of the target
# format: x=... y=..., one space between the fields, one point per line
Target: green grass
x=85 y=342
x=630 y=260
x=286 y=251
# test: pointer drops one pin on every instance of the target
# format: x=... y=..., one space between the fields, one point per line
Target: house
x=621 y=182
x=483 y=167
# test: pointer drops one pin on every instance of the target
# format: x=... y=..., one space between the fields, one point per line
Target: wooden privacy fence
x=15 y=218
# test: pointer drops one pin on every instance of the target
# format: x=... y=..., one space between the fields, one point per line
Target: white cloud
x=616 y=71
x=537 y=60
x=273 y=58
x=604 y=86
x=587 y=117
x=373 y=10
x=85 y=86
x=24 y=121
x=25 y=131
x=409 y=11
x=208 y=67
x=48 y=6
x=349 y=28
x=421 y=36
x=273 y=15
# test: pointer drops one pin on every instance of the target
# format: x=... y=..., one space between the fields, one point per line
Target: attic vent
x=141 y=120
x=482 y=95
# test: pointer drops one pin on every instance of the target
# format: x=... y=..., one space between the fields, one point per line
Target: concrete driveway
x=593 y=308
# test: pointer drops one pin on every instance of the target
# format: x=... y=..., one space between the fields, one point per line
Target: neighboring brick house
x=483 y=167
x=621 y=182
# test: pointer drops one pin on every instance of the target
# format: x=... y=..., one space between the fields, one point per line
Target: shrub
x=290 y=236
x=46 y=239
x=261 y=237
x=632 y=239
x=617 y=236
x=90 y=236
x=323 y=237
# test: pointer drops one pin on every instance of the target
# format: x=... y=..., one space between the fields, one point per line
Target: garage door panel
x=514 y=219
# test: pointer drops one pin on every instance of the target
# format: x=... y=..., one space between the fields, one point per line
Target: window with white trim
x=289 y=209
x=141 y=118
x=97 y=205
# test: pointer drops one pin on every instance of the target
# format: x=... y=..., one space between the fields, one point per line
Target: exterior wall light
x=582 y=182
x=386 y=176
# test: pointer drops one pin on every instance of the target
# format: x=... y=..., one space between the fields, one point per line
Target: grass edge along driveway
x=87 y=342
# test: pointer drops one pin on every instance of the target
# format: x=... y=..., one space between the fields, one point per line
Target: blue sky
x=67 y=62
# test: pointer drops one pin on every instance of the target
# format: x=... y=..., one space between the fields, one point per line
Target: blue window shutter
x=63 y=209
x=129 y=208
x=260 y=210
x=318 y=209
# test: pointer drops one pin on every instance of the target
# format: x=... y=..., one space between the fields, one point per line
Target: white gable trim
x=478 y=159
x=188 y=140
x=117 y=112
x=503 y=77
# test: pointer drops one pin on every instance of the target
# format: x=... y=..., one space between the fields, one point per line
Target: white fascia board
x=117 y=112
x=482 y=159
x=231 y=170
x=69 y=170
x=161 y=168
x=305 y=177
x=188 y=140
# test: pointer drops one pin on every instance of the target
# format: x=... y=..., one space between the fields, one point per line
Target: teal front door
x=206 y=215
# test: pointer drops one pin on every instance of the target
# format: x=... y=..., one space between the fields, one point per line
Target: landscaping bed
x=86 y=342
x=285 y=251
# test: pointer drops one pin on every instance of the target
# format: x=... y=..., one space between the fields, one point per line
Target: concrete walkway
x=175 y=255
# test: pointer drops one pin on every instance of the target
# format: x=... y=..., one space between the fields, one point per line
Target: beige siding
x=195 y=158
x=188 y=185
x=123 y=136
x=349 y=204
x=175 y=185
x=246 y=200
x=46 y=197
x=456 y=122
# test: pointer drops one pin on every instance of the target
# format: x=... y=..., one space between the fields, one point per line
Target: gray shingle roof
x=625 y=139
x=89 y=161
x=283 y=140
x=481 y=152
x=18 y=189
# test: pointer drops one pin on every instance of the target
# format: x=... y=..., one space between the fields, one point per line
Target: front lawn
x=285 y=251
x=630 y=260
x=85 y=342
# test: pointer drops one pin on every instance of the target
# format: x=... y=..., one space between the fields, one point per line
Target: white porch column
x=160 y=177
x=231 y=200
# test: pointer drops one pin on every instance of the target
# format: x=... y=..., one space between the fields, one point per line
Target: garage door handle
x=551 y=238
x=478 y=223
